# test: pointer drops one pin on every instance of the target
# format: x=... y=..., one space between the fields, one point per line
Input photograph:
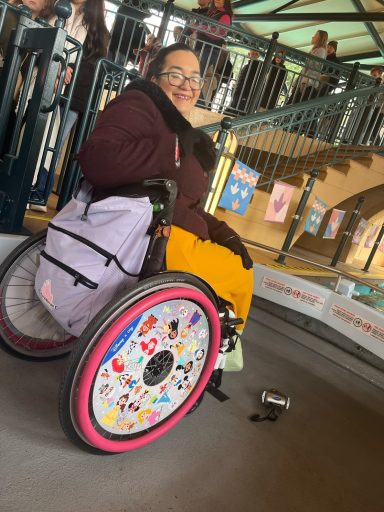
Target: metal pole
x=63 y=10
x=168 y=10
x=297 y=217
x=310 y=16
x=261 y=79
x=374 y=249
x=211 y=198
x=370 y=28
x=347 y=231
x=226 y=125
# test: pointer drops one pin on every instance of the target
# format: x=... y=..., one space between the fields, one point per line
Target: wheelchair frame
x=141 y=364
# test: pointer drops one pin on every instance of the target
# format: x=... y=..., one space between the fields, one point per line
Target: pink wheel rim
x=90 y=434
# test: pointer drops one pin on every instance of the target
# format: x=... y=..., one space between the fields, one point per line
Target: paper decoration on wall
x=372 y=233
x=279 y=202
x=334 y=223
x=239 y=188
x=315 y=216
x=358 y=234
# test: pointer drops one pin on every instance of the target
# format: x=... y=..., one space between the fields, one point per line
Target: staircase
x=336 y=184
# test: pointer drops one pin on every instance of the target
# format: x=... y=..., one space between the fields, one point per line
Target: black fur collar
x=176 y=122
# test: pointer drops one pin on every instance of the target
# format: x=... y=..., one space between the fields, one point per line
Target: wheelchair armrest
x=168 y=186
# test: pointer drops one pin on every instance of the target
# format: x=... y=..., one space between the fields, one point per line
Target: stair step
x=363 y=160
x=342 y=167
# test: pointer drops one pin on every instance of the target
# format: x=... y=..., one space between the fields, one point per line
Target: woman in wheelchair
x=144 y=133
x=144 y=358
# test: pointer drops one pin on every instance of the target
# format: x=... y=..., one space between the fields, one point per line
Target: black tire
x=27 y=330
x=88 y=342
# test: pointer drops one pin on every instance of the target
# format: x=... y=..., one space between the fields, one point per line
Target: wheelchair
x=142 y=363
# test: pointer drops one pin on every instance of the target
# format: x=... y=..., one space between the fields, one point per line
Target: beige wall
x=336 y=188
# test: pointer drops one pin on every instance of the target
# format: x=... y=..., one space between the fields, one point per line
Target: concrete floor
x=325 y=454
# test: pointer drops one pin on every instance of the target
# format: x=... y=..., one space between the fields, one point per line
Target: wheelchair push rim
x=137 y=380
x=26 y=326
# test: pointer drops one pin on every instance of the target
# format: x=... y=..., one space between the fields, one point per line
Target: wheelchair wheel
x=141 y=365
x=26 y=327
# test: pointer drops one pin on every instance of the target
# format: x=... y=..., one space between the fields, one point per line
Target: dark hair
x=96 y=42
x=122 y=406
x=156 y=65
x=376 y=68
x=228 y=7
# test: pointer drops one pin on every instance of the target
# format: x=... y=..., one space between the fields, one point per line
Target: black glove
x=205 y=151
x=197 y=142
x=235 y=245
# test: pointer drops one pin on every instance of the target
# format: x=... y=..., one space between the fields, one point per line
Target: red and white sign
x=365 y=326
x=297 y=294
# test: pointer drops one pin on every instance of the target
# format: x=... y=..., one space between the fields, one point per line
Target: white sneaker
x=38 y=207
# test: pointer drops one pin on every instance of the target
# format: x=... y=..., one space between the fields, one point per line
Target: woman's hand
x=235 y=245
x=68 y=75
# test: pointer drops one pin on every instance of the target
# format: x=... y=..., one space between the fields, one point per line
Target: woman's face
x=315 y=38
x=185 y=63
x=36 y=6
x=219 y=3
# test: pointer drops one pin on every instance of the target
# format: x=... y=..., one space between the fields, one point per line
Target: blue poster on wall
x=315 y=216
x=239 y=189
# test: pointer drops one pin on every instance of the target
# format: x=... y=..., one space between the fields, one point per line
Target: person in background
x=178 y=33
x=128 y=33
x=152 y=46
x=209 y=44
x=329 y=77
x=87 y=25
x=246 y=83
x=307 y=86
x=189 y=34
x=39 y=9
x=376 y=121
x=223 y=75
x=275 y=82
x=144 y=133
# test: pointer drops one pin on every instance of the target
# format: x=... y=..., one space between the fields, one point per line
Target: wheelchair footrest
x=219 y=395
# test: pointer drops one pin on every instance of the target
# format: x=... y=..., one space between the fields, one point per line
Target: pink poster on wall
x=372 y=233
x=279 y=202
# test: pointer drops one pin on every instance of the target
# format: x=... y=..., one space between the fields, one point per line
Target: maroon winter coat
x=132 y=142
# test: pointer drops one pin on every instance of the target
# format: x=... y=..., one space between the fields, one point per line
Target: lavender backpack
x=93 y=250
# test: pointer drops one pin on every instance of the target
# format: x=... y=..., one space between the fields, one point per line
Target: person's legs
x=214 y=263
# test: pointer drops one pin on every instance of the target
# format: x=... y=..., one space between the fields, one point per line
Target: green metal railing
x=287 y=142
x=221 y=81
x=41 y=50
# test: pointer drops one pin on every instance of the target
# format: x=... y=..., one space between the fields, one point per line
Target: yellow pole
x=222 y=172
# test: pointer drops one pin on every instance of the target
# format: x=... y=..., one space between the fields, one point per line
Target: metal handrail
x=225 y=89
x=340 y=273
x=245 y=39
x=298 y=107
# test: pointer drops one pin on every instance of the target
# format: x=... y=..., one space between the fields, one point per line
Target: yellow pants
x=214 y=263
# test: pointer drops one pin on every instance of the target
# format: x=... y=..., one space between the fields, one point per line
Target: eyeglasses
x=177 y=80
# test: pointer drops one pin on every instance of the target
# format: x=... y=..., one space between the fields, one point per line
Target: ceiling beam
x=334 y=16
x=370 y=28
x=245 y=3
x=284 y=6
x=359 y=56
